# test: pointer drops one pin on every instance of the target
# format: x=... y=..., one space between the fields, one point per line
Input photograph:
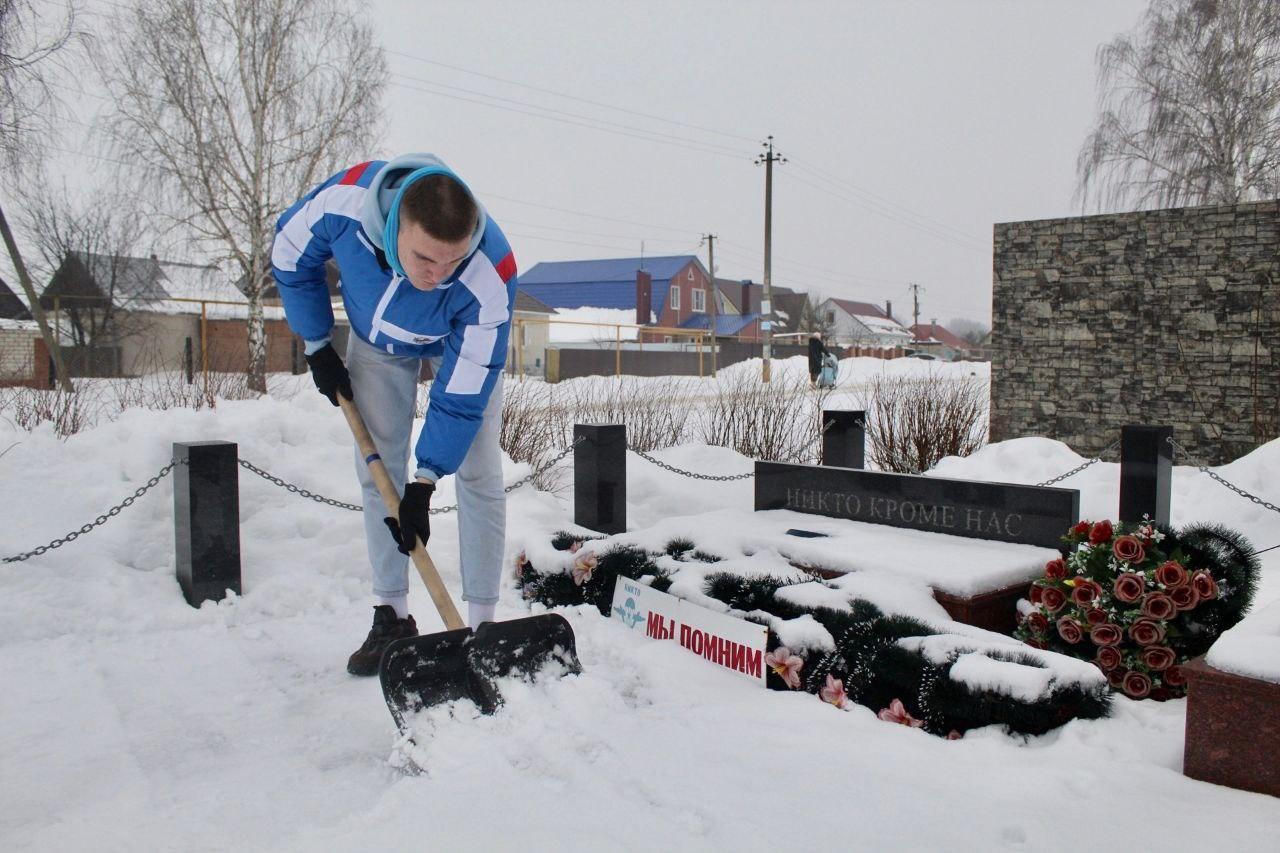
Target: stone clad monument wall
x=1156 y=317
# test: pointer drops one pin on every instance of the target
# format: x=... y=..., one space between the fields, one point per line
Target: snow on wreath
x=903 y=670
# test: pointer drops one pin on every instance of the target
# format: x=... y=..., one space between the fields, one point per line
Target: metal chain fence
x=693 y=474
x=266 y=475
x=301 y=492
x=1076 y=470
x=100 y=520
x=1204 y=469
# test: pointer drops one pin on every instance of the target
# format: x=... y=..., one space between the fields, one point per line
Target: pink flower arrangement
x=787 y=665
x=584 y=565
x=1125 y=598
x=833 y=692
x=897 y=713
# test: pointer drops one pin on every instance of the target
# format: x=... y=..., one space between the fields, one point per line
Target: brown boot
x=386 y=629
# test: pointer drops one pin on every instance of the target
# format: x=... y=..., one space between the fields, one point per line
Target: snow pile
x=1252 y=647
x=989 y=662
x=135 y=720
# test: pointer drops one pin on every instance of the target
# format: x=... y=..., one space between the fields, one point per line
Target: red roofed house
x=940 y=341
x=864 y=324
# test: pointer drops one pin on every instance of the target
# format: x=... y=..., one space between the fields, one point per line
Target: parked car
x=924 y=356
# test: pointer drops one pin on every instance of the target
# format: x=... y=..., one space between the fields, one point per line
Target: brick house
x=670 y=292
x=165 y=315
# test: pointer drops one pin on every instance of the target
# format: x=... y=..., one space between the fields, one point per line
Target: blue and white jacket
x=466 y=319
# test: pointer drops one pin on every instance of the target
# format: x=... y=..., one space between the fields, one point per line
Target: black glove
x=415 y=521
x=330 y=374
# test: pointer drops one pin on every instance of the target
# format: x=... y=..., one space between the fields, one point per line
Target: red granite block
x=996 y=610
x=1233 y=730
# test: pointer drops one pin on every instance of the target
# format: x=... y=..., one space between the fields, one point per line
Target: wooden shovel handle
x=391 y=497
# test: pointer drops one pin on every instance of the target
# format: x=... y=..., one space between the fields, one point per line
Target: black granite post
x=600 y=477
x=1146 y=472
x=844 y=438
x=206 y=517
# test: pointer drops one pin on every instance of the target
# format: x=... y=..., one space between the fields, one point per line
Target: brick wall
x=229 y=347
x=18 y=363
x=1159 y=317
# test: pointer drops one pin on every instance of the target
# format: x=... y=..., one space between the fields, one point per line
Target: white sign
x=733 y=644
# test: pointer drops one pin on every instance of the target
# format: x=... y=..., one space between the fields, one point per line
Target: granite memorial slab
x=1004 y=512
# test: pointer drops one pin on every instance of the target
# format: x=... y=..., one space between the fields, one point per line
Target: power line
x=891 y=216
x=692 y=145
x=570 y=97
x=881 y=200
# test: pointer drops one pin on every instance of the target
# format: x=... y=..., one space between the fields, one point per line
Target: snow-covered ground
x=133 y=721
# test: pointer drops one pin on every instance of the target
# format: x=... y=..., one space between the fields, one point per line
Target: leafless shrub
x=776 y=421
x=912 y=424
x=655 y=410
x=527 y=434
x=68 y=412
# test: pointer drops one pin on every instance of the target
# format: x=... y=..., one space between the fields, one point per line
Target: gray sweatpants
x=386 y=388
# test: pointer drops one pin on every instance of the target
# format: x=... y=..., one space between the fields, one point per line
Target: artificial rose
x=1055 y=570
x=1095 y=616
x=1085 y=592
x=521 y=562
x=1034 y=593
x=1205 y=585
x=1171 y=574
x=1158 y=658
x=1116 y=677
x=954 y=735
x=1174 y=676
x=1157 y=605
x=1100 y=532
x=584 y=565
x=1128 y=587
x=574 y=547
x=1069 y=630
x=1136 y=684
x=786 y=664
x=833 y=693
x=1053 y=599
x=897 y=713
x=1108 y=658
x=1145 y=632
x=1129 y=549
x=1082 y=528
x=1037 y=622
x=1106 y=634
x=1184 y=597
x=1162 y=694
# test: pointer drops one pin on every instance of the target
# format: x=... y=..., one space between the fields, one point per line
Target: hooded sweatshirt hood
x=388 y=189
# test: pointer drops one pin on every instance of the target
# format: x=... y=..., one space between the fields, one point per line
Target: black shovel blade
x=420 y=672
x=521 y=648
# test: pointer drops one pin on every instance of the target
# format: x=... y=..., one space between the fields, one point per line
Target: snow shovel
x=419 y=672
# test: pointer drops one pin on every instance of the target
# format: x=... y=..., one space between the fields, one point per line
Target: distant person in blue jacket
x=426 y=274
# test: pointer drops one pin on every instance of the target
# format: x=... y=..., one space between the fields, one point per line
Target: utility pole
x=766 y=304
x=714 y=309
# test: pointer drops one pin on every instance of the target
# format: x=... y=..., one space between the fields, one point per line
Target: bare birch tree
x=1188 y=109
x=31 y=41
x=239 y=107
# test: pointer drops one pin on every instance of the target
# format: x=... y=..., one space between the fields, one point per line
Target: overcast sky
x=910 y=128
